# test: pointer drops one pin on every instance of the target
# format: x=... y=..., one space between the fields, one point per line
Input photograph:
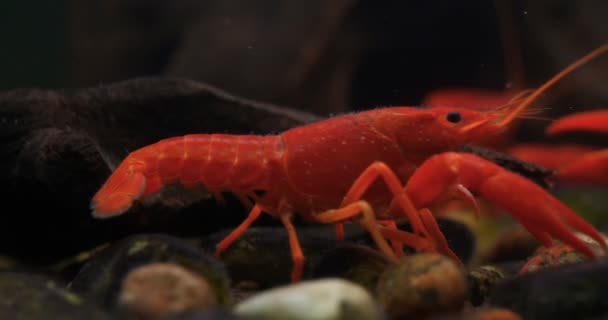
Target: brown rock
x=158 y=289
x=420 y=285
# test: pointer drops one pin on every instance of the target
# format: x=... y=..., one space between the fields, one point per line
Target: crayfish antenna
x=534 y=95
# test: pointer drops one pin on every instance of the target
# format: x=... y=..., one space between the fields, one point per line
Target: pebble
x=323 y=299
x=561 y=254
x=159 y=289
x=357 y=263
x=210 y=314
x=553 y=256
x=420 y=285
x=102 y=276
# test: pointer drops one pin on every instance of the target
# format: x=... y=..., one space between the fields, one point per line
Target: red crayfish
x=372 y=166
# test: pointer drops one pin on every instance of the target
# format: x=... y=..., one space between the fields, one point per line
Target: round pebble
x=158 y=289
x=422 y=284
x=327 y=299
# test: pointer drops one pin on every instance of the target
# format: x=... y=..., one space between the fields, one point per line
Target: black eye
x=454 y=117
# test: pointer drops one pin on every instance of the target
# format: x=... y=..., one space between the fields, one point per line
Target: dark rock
x=563 y=292
x=481 y=280
x=510 y=268
x=35 y=296
x=514 y=243
x=267 y=248
x=101 y=278
x=357 y=263
x=262 y=254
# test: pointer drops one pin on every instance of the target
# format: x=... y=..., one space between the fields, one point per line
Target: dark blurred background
x=322 y=56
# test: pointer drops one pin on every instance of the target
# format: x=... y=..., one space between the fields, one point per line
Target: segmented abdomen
x=217 y=161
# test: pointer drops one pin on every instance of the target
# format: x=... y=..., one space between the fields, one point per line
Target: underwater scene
x=184 y=160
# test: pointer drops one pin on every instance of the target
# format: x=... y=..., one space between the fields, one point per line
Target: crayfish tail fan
x=118 y=194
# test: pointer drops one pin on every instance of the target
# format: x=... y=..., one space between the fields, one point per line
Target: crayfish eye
x=454 y=116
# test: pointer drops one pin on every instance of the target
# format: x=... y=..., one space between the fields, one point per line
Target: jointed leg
x=407 y=238
x=439 y=239
x=369 y=175
x=396 y=244
x=236 y=233
x=368 y=222
x=296 y=250
x=371 y=224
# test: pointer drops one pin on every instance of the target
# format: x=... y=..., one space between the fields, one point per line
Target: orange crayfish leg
x=414 y=241
x=440 y=241
x=381 y=170
x=296 y=250
x=254 y=214
x=369 y=222
x=294 y=244
x=396 y=244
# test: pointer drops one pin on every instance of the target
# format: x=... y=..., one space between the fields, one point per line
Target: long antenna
x=585 y=59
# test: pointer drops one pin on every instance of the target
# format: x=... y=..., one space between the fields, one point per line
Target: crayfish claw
x=460 y=192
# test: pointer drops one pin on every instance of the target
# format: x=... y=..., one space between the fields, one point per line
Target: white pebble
x=325 y=299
